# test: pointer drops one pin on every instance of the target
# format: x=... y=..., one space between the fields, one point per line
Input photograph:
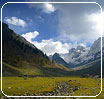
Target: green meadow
x=17 y=86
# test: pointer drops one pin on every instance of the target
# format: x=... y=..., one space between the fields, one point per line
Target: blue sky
x=35 y=20
x=55 y=27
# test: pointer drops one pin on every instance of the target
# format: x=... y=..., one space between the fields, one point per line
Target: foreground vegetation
x=74 y=86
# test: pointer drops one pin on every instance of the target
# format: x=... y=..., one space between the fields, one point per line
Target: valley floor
x=52 y=86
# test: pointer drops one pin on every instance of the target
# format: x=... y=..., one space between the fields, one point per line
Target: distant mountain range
x=21 y=58
x=80 y=55
x=75 y=55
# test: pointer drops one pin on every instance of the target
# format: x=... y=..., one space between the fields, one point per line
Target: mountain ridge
x=21 y=56
x=81 y=55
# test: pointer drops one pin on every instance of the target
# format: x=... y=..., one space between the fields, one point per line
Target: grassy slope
x=9 y=70
x=56 y=70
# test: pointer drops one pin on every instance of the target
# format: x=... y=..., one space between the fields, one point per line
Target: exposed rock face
x=75 y=55
x=96 y=47
x=81 y=55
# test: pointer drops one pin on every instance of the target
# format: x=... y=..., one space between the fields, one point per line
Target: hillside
x=91 y=68
x=22 y=58
x=18 y=52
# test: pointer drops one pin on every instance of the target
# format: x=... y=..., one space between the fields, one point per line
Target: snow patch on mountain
x=75 y=55
x=96 y=47
x=81 y=54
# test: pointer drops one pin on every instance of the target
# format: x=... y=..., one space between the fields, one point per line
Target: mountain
x=20 y=57
x=56 y=57
x=90 y=62
x=17 y=50
x=81 y=55
x=92 y=68
x=96 y=48
x=75 y=56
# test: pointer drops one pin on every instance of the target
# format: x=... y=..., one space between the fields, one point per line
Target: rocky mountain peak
x=56 y=55
x=72 y=50
x=78 y=49
x=81 y=48
x=81 y=55
x=96 y=47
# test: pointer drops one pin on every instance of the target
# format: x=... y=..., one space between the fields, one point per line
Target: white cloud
x=98 y=20
x=47 y=46
x=48 y=8
x=30 y=35
x=45 y=7
x=15 y=21
x=75 y=26
x=50 y=46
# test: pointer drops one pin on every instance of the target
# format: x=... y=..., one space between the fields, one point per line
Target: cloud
x=48 y=8
x=50 y=46
x=15 y=21
x=78 y=24
x=73 y=24
x=45 y=7
x=98 y=20
x=30 y=35
x=47 y=46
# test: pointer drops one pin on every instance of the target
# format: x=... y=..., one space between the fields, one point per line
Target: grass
x=22 y=71
x=21 y=86
x=56 y=70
